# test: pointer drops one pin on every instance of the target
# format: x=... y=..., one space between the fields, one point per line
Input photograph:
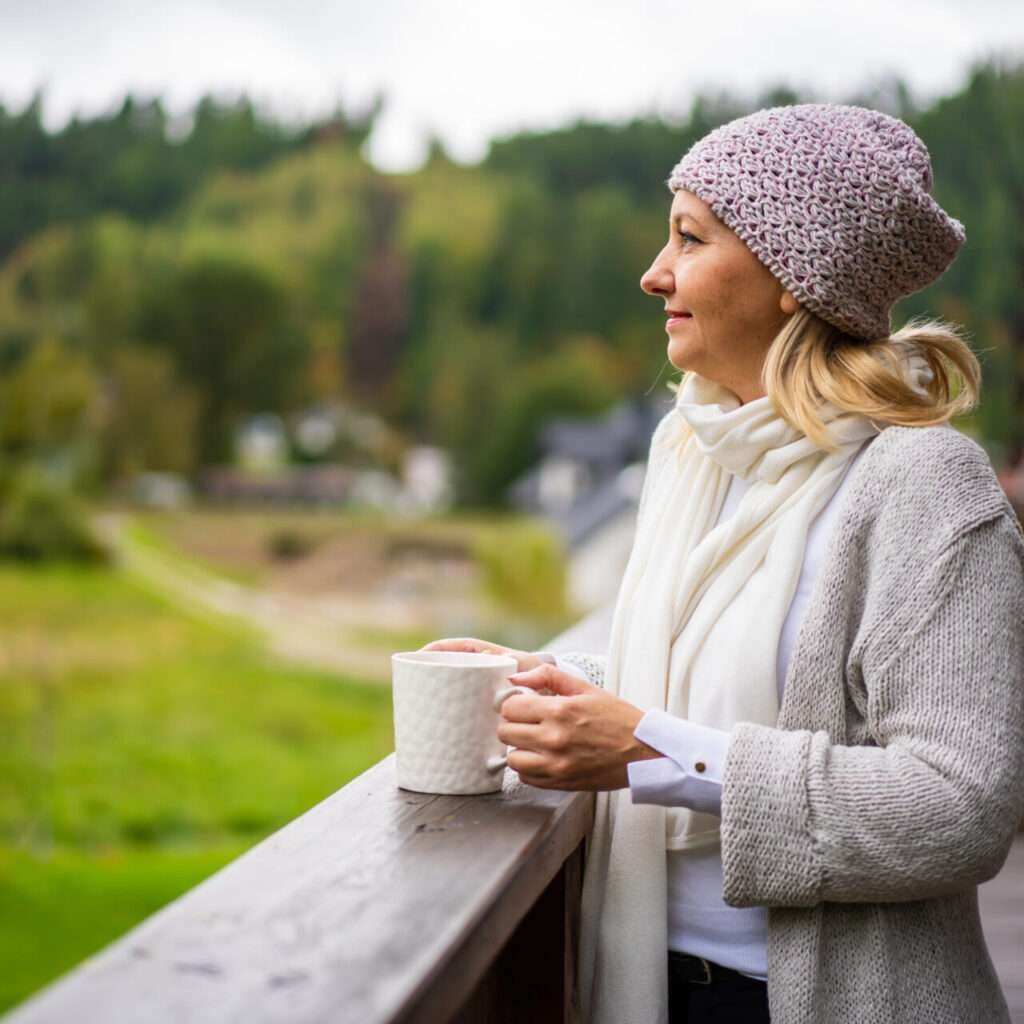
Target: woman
x=812 y=689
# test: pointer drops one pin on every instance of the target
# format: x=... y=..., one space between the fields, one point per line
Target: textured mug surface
x=446 y=716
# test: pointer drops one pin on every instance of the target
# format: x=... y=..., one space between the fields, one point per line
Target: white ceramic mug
x=447 y=708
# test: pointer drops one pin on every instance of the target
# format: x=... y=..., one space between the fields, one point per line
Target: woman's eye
x=686 y=234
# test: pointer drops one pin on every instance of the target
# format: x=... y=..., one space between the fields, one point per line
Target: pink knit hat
x=834 y=200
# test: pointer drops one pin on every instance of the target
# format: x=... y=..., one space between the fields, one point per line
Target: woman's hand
x=525 y=661
x=579 y=738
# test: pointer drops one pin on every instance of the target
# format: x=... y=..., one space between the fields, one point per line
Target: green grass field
x=143 y=748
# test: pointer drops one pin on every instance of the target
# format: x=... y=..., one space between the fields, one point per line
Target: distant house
x=261 y=443
x=587 y=484
x=302 y=485
x=263 y=471
x=315 y=430
x=160 y=490
x=427 y=480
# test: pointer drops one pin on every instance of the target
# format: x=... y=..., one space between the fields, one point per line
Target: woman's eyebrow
x=685 y=216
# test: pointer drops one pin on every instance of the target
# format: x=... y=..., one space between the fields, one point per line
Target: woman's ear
x=787 y=302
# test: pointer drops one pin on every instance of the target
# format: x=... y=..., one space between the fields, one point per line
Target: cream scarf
x=695 y=632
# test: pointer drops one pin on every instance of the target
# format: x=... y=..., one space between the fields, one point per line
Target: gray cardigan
x=892 y=784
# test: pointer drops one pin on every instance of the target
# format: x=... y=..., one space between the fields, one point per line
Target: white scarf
x=695 y=632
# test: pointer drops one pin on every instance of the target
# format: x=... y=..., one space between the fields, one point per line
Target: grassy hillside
x=144 y=748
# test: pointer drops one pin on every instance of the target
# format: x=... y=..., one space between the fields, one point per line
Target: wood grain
x=378 y=904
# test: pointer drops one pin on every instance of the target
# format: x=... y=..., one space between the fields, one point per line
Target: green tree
x=152 y=418
x=50 y=412
x=228 y=328
x=978 y=157
x=488 y=404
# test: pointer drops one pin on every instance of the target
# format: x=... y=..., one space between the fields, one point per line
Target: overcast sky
x=467 y=70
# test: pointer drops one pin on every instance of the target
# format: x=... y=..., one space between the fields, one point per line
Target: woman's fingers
x=532 y=733
x=461 y=643
x=523 y=707
x=531 y=767
x=546 y=677
x=524 y=660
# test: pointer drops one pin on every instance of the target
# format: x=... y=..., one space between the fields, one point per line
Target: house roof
x=621 y=436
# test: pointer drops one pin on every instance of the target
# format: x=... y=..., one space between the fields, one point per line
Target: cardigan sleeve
x=933 y=807
x=589 y=667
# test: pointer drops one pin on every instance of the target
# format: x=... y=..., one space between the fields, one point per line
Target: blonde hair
x=811 y=361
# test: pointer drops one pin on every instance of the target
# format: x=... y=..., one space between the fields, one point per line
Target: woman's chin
x=681 y=356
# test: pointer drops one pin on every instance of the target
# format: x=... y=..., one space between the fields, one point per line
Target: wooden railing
x=377 y=905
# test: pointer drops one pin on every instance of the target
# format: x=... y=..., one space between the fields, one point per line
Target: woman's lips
x=678 y=319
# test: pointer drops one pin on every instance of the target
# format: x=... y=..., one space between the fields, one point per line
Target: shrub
x=41 y=520
x=523 y=569
x=287 y=543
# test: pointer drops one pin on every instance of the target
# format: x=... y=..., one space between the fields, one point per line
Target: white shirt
x=699 y=920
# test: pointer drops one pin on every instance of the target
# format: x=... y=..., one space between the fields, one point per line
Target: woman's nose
x=655 y=280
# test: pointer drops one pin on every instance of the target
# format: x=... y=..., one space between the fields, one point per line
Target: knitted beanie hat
x=834 y=200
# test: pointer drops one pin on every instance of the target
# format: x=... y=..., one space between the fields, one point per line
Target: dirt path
x=316 y=631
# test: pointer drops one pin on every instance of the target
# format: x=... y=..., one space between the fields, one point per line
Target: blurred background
x=321 y=337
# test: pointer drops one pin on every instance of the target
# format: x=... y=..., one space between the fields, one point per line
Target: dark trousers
x=702 y=992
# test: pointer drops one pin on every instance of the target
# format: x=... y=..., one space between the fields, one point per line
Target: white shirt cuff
x=690 y=774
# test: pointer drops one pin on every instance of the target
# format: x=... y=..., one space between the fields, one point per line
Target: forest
x=160 y=281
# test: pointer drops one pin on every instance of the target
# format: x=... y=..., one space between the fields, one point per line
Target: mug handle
x=496 y=764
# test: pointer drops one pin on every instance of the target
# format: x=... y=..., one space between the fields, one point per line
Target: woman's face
x=736 y=306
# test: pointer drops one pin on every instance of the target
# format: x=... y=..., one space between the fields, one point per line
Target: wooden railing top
x=377 y=905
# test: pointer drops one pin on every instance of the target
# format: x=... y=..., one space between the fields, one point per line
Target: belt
x=695 y=970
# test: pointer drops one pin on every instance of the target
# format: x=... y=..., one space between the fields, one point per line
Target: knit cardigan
x=891 y=786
